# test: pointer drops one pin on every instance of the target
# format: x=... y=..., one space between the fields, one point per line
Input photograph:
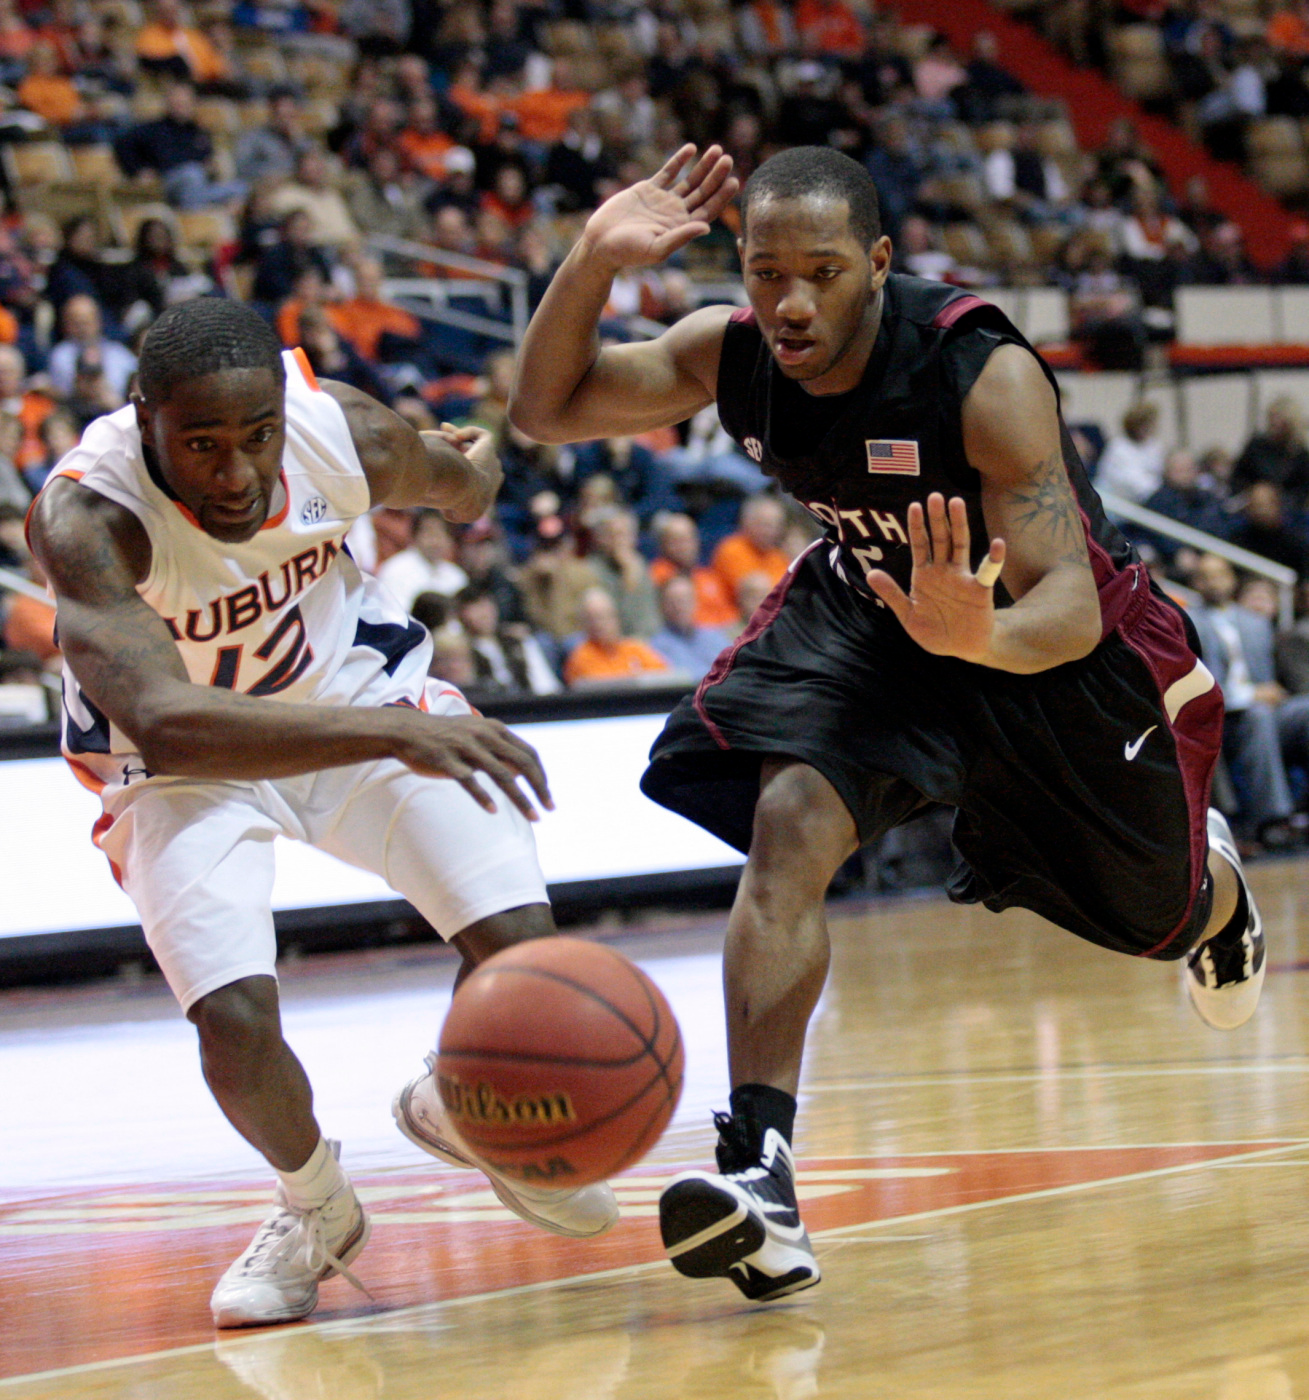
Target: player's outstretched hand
x=461 y=746
x=649 y=221
x=949 y=610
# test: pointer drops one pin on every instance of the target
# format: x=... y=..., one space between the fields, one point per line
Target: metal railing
x=513 y=279
x=1284 y=578
x=16 y=583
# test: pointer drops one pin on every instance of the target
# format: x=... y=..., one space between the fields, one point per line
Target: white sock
x=312 y=1185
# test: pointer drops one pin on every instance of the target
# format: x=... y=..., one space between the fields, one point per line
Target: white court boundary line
x=840 y=1232
x=1034 y=1076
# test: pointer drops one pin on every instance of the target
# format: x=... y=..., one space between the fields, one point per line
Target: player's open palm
x=649 y=221
x=949 y=610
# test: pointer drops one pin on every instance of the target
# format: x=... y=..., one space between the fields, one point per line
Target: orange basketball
x=560 y=1062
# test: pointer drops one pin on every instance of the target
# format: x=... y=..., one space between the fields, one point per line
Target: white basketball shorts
x=196 y=857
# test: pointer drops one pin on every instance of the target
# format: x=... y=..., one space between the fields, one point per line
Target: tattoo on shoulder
x=1045 y=504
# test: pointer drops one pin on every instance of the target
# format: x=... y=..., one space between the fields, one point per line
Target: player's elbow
x=164 y=733
x=533 y=422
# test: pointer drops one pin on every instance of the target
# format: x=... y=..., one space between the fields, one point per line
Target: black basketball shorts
x=1080 y=793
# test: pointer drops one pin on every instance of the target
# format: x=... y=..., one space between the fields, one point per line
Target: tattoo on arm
x=1044 y=504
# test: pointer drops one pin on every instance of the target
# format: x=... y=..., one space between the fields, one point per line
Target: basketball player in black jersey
x=970 y=631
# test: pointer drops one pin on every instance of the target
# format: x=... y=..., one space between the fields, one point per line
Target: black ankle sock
x=758 y=1107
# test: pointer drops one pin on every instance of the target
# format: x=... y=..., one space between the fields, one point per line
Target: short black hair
x=201 y=337
x=802 y=171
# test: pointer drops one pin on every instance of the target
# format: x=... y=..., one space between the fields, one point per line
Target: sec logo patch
x=313 y=510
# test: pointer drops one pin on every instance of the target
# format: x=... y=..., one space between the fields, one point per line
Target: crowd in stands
x=304 y=154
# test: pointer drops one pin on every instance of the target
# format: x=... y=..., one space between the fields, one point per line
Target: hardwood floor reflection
x=1029 y=1171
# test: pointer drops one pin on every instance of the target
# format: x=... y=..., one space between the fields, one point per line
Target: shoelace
x=737 y=1155
x=307 y=1237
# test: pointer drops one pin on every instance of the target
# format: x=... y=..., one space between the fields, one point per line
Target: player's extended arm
x=94 y=552
x=454 y=470
x=566 y=387
x=1011 y=436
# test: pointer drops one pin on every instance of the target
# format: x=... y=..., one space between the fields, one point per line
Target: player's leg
x=475 y=877
x=197 y=860
x=743 y=1222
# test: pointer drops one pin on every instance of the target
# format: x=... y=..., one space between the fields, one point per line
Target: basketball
x=560 y=1062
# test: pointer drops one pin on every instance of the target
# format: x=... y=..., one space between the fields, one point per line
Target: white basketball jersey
x=285 y=616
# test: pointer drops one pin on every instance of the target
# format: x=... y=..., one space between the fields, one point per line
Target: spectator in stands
x=989 y=90
x=452 y=660
x=1279 y=453
x=59 y=434
x=1268 y=527
x=687 y=645
x=46 y=91
x=309 y=292
x=920 y=252
x=766 y=28
x=282 y=264
x=422 y=143
x=79 y=268
x=26 y=407
x=750 y=592
x=166 y=46
x=756 y=545
x=427 y=565
x=622 y=571
x=897 y=171
x=679 y=557
x=378 y=26
x=1241 y=96
x=1104 y=305
x=92 y=395
x=378 y=329
x=482 y=557
x=642 y=480
x=578 y=164
x=332 y=357
x=156 y=277
x=83 y=330
x=605 y=655
x=1183 y=498
x=1292 y=646
x=176 y=149
x=554 y=579
x=505 y=655
x=383 y=199
x=14 y=495
x=270 y=152
x=1222 y=260
x=331 y=223
x=1148 y=231
x=1132 y=463
x=1237 y=646
x=1196 y=208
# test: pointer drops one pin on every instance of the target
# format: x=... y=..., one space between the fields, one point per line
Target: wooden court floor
x=1029 y=1171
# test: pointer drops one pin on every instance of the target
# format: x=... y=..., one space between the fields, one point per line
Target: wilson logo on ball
x=482 y=1103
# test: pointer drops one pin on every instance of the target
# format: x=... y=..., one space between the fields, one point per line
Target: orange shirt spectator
x=605 y=654
x=366 y=317
x=756 y=546
x=483 y=109
x=166 y=37
x=679 y=553
x=1288 y=32
x=425 y=151
x=543 y=116
x=713 y=604
x=46 y=91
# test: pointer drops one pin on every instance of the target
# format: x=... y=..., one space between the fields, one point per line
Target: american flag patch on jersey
x=894 y=455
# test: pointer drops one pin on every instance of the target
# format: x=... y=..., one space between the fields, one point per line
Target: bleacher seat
x=1100 y=398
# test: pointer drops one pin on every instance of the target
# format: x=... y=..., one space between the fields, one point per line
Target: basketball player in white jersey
x=231 y=676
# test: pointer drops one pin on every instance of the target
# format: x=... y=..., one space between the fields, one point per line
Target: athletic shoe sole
x=711 y=1232
x=446 y=1152
x=1226 y=1008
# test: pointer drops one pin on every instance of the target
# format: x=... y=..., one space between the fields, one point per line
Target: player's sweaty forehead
x=809 y=227
x=227 y=400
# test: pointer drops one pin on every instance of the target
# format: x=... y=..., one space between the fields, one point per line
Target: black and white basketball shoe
x=742 y=1223
x=1225 y=974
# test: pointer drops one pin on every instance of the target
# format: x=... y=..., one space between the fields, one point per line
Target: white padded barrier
x=1226 y=316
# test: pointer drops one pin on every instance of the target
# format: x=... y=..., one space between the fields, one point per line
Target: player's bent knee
x=239 y=1021
x=496 y=932
x=801 y=826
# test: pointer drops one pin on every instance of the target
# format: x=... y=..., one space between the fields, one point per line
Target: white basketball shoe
x=582 y=1214
x=1225 y=974
x=277 y=1278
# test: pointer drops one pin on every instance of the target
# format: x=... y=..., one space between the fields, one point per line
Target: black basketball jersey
x=856 y=460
